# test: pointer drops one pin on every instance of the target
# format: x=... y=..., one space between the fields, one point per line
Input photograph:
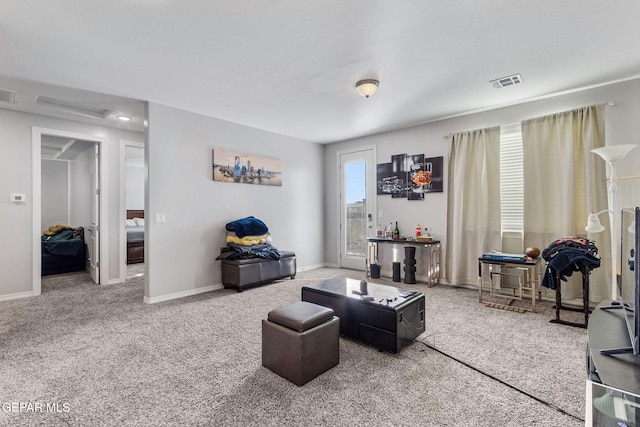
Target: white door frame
x=371 y=205
x=94 y=229
x=36 y=144
x=123 y=204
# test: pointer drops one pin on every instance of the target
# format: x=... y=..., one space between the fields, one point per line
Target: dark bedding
x=62 y=243
x=234 y=251
x=135 y=233
x=63 y=252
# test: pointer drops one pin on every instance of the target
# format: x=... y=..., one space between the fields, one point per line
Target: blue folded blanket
x=249 y=226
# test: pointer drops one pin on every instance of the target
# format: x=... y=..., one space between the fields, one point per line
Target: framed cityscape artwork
x=231 y=166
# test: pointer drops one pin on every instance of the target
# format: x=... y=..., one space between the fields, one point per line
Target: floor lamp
x=612 y=154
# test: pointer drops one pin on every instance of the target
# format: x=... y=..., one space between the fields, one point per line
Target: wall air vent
x=506 y=81
x=71 y=107
x=9 y=96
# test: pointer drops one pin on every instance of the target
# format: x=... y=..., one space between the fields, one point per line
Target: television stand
x=610 y=373
x=616 y=305
x=607 y=337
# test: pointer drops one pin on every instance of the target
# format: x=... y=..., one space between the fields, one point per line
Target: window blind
x=511 y=178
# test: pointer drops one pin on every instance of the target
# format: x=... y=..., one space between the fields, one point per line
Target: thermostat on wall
x=18 y=198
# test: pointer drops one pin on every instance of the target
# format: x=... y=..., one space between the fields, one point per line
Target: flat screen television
x=629 y=280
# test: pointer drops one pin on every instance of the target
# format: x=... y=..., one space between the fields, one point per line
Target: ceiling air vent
x=9 y=96
x=72 y=107
x=506 y=81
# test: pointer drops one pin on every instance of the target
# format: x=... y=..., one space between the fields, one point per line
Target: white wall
x=55 y=193
x=66 y=191
x=302 y=214
x=180 y=253
x=623 y=127
x=16 y=165
x=134 y=159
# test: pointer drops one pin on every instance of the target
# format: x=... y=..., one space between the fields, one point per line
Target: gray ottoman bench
x=246 y=272
x=300 y=341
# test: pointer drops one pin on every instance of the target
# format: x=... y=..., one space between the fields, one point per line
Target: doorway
x=357 y=205
x=132 y=209
x=81 y=197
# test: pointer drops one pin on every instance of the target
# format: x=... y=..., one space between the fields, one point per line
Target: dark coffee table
x=386 y=317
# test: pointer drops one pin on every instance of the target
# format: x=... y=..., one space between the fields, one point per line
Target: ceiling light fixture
x=367 y=87
x=124 y=118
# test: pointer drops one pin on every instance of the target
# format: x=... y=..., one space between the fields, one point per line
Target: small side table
x=526 y=272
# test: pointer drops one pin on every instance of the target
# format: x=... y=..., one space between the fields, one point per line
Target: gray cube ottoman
x=300 y=341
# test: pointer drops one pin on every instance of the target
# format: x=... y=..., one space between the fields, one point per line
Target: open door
x=94 y=230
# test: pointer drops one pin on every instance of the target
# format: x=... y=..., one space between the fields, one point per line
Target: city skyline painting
x=231 y=166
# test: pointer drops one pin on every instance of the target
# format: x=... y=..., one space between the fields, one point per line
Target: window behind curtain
x=511 y=179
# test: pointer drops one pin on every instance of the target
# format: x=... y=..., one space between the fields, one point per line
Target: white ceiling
x=290 y=66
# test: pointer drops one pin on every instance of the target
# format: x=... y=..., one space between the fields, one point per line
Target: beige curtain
x=473 y=203
x=564 y=182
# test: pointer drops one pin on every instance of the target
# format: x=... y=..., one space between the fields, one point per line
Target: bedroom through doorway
x=134 y=215
x=68 y=212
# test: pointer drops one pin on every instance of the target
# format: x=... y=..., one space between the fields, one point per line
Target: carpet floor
x=91 y=355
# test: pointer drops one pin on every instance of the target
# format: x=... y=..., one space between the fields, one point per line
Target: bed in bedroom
x=135 y=236
x=63 y=250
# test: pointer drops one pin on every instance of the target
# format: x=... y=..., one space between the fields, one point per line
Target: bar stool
x=586 y=272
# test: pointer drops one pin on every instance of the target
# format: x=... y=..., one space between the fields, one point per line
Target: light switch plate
x=159 y=217
x=18 y=198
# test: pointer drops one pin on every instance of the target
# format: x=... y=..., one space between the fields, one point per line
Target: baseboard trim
x=17 y=295
x=311 y=267
x=183 y=294
x=330 y=265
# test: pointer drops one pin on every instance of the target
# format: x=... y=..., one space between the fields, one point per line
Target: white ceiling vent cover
x=506 y=81
x=9 y=96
